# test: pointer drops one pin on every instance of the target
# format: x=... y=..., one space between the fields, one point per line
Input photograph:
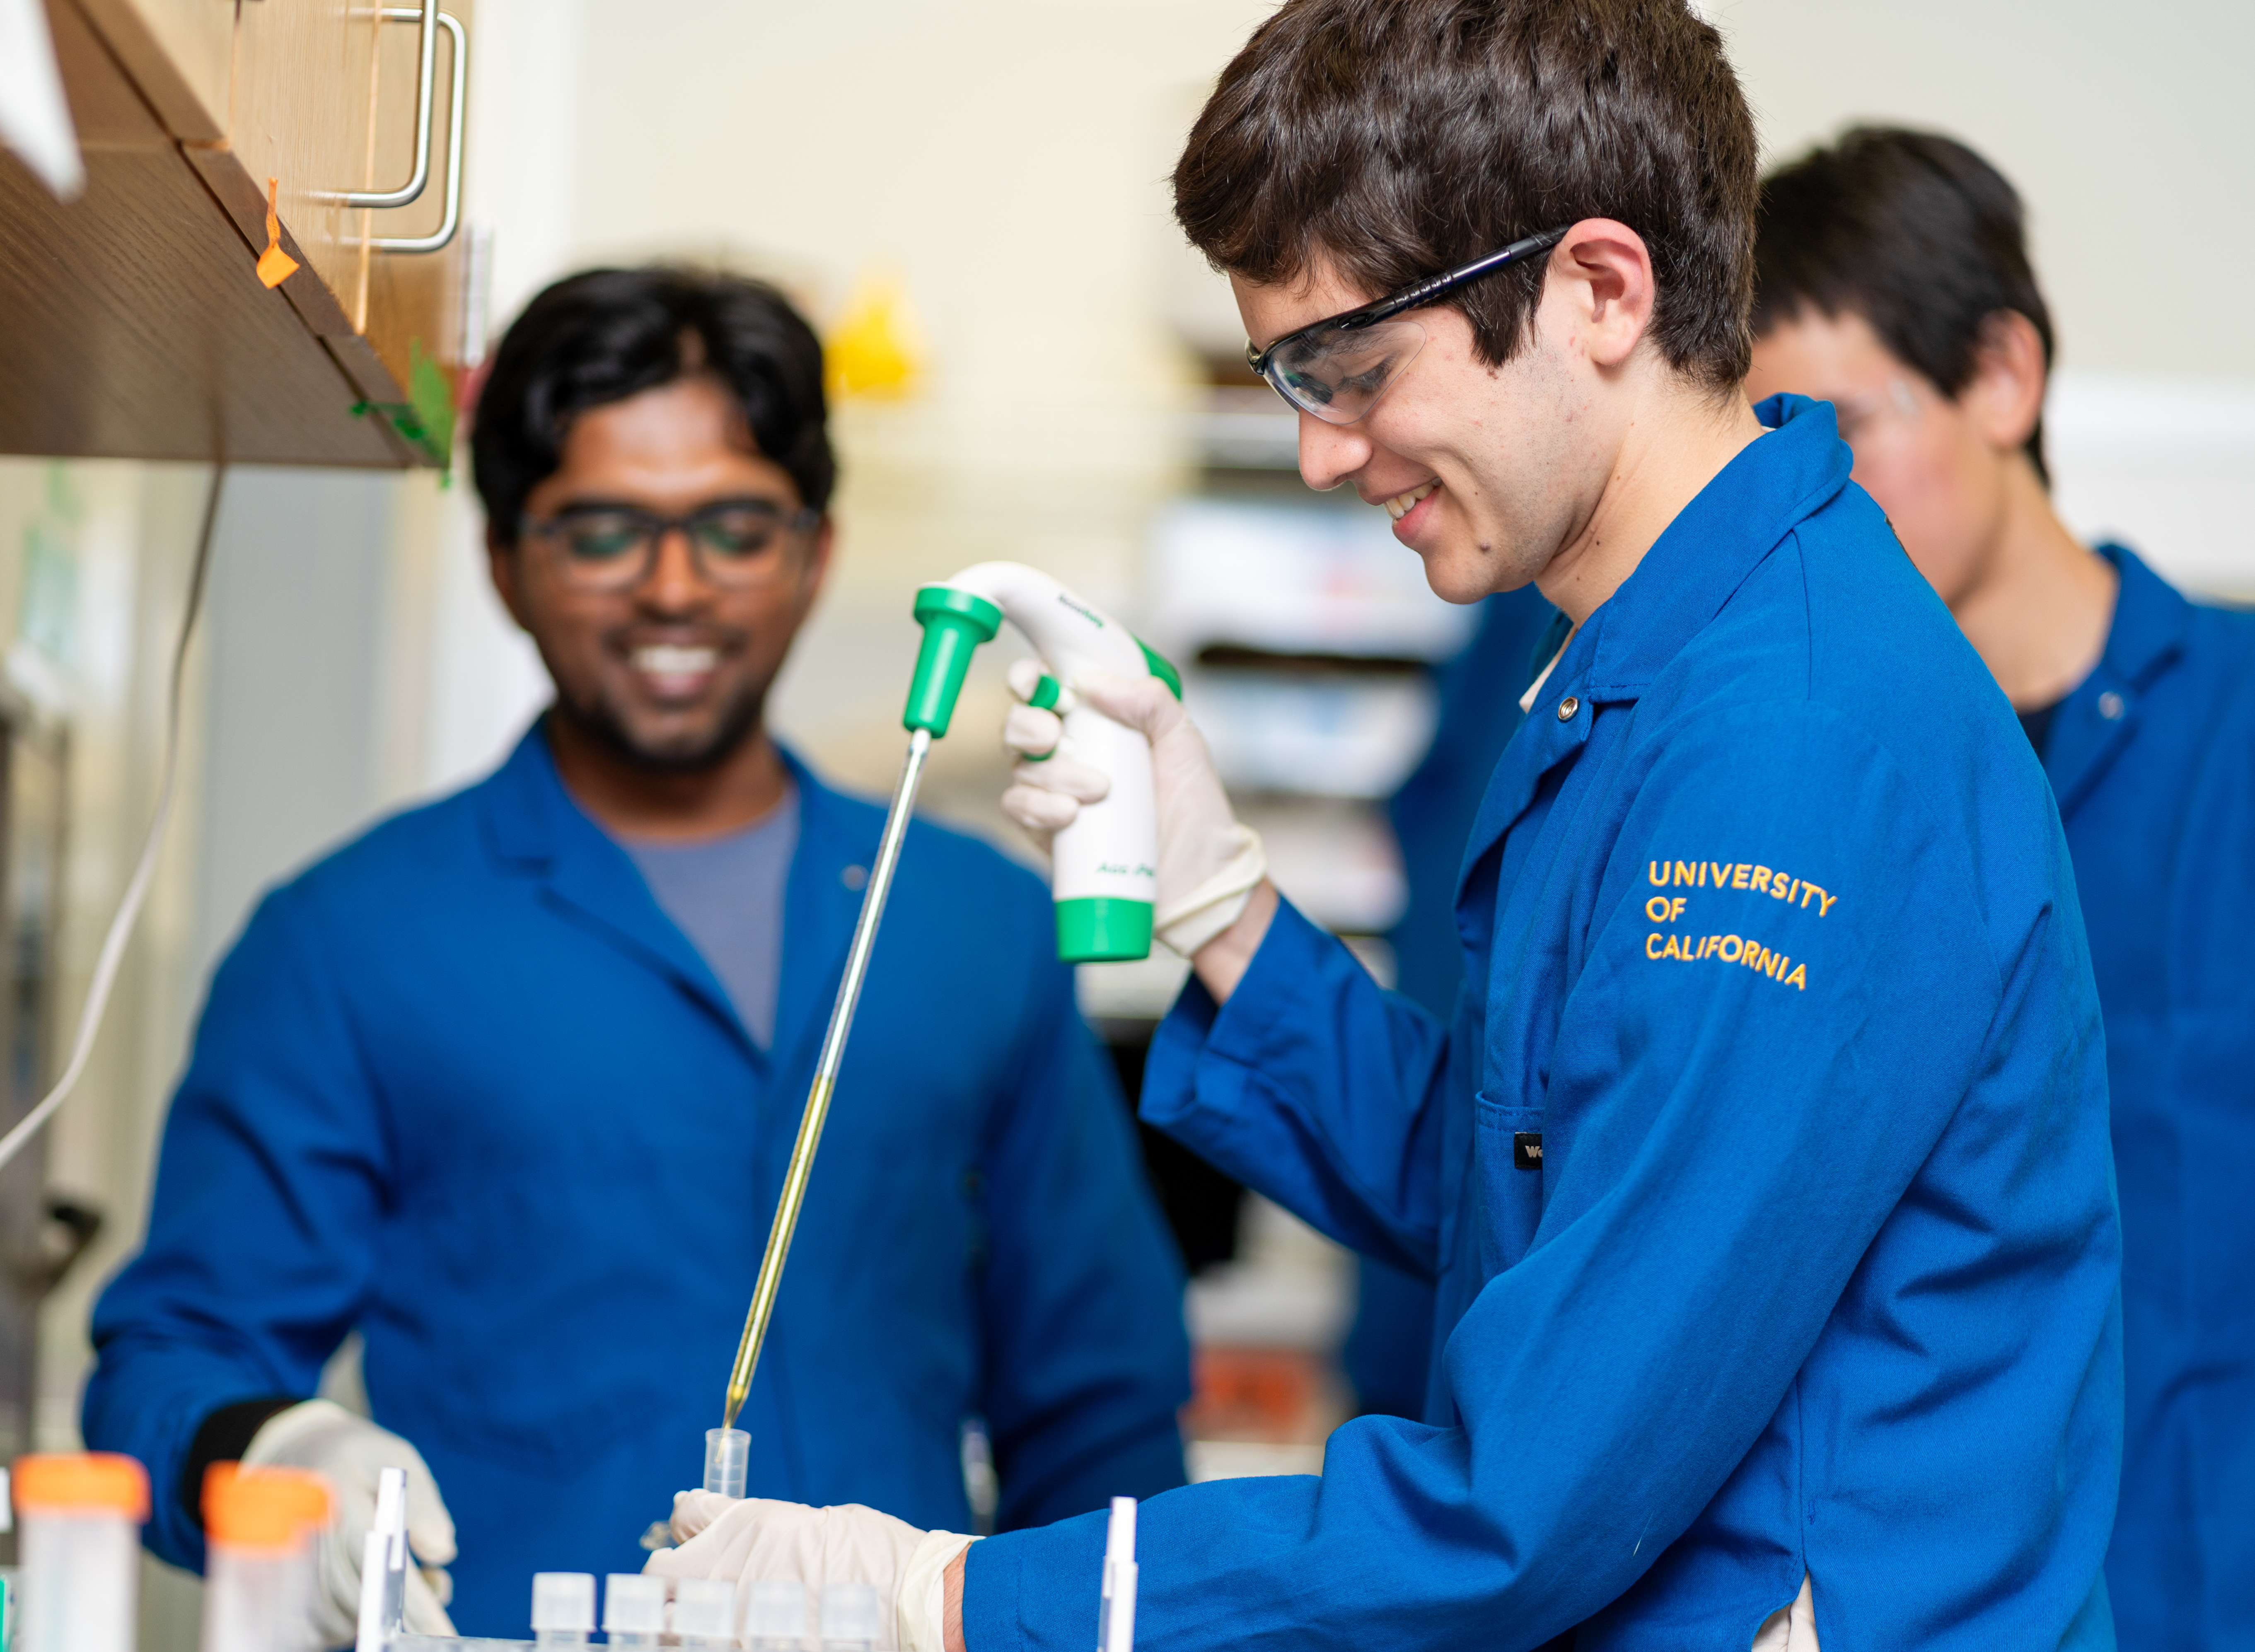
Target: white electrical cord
x=137 y=891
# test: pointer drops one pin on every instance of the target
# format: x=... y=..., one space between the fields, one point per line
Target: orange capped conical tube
x=78 y=1514
x=260 y=1525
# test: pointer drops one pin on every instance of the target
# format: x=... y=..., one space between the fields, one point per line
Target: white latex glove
x=760 y=1540
x=1209 y=863
x=349 y=1451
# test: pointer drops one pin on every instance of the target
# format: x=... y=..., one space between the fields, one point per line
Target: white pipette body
x=1110 y=850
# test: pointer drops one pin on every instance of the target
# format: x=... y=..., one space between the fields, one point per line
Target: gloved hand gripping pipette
x=1104 y=880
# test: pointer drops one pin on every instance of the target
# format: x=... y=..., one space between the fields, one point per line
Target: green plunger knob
x=955 y=623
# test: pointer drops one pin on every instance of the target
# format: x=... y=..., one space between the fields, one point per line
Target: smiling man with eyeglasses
x=510 y=1084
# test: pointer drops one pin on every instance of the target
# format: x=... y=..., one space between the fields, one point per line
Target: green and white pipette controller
x=1105 y=865
x=1105 y=878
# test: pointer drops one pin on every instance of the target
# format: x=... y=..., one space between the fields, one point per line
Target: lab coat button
x=2110 y=706
x=1567 y=707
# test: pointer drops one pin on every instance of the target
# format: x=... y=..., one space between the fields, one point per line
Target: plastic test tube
x=851 y=1614
x=727 y=1454
x=384 y=1565
x=1115 y=1628
x=78 y=1549
x=258 y=1575
x=774 y=1618
x=705 y=1613
x=634 y=1608
x=562 y=1607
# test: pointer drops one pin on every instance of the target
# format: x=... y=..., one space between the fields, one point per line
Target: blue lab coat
x=2153 y=761
x=1774 y=1231
x=464 y=1086
x=1386 y=1350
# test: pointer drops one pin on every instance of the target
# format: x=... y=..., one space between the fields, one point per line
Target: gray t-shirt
x=726 y=894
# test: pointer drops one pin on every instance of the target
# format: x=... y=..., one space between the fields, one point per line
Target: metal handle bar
x=452 y=219
x=425 y=78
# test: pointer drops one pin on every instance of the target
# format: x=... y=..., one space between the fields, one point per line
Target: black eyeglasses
x=737 y=543
x=1337 y=369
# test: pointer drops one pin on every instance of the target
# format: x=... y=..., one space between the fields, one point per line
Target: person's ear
x=1603 y=272
x=819 y=558
x=501 y=563
x=2004 y=397
x=818 y=564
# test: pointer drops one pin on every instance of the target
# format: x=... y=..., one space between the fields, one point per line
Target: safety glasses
x=736 y=543
x=1337 y=369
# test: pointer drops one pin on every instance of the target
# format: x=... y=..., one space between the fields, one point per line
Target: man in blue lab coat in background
x=508 y=1085
x=1894 y=281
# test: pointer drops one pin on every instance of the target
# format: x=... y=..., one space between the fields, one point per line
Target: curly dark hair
x=603 y=335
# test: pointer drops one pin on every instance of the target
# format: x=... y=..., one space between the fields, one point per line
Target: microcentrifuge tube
x=705 y=1613
x=776 y=1617
x=851 y=1614
x=562 y=1607
x=634 y=1608
x=727 y=1454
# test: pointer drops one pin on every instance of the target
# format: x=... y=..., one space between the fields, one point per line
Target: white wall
x=2128 y=129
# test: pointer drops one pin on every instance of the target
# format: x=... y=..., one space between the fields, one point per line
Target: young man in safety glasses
x=1893 y=280
x=1763 y=1169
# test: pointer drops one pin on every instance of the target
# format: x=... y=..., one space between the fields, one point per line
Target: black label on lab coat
x=1527 y=1149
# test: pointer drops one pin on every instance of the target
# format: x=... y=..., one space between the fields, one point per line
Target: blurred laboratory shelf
x=132 y=317
x=1241 y=1459
x=1266 y=1329
x=1243 y=427
x=1322 y=726
x=1289 y=1287
x=1335 y=859
x=1305 y=576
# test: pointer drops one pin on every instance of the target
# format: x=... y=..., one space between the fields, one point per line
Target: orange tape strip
x=274 y=266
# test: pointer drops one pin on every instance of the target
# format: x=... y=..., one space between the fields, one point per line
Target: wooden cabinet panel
x=180 y=54
x=131 y=323
x=132 y=320
x=381 y=313
x=304 y=83
x=107 y=110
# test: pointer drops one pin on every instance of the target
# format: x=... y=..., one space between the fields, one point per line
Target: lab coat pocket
x=1507 y=1151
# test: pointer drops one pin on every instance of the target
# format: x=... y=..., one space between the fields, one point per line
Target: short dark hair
x=1912 y=231
x=1395 y=138
x=603 y=335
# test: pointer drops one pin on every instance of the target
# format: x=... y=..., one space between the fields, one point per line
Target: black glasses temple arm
x=1449 y=280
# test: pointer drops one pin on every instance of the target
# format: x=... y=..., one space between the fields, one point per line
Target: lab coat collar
x=1692 y=570
x=536 y=829
x=1703 y=557
x=2152 y=620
